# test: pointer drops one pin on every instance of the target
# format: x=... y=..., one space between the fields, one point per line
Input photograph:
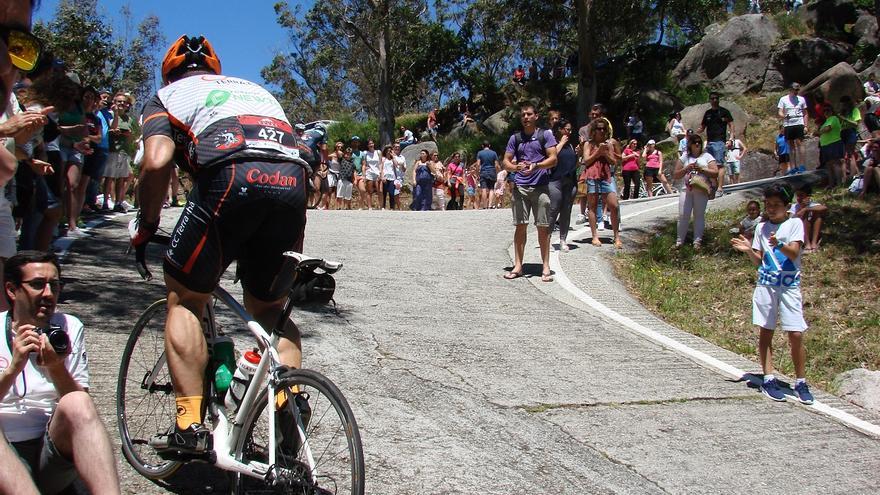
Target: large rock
x=735 y=59
x=835 y=82
x=829 y=18
x=462 y=130
x=865 y=30
x=499 y=122
x=411 y=153
x=801 y=60
x=861 y=387
x=757 y=165
x=872 y=69
x=692 y=116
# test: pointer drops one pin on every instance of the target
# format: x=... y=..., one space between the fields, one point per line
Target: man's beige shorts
x=528 y=199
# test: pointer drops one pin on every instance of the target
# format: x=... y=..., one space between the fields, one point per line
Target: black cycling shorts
x=246 y=211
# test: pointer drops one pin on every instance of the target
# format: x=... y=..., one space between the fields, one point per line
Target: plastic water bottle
x=223 y=356
x=244 y=371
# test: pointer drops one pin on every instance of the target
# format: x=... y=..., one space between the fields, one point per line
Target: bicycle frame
x=224 y=438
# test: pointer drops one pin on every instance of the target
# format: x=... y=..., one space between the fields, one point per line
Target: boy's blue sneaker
x=802 y=169
x=803 y=393
x=771 y=389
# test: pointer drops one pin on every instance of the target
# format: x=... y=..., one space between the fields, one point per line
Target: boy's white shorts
x=786 y=303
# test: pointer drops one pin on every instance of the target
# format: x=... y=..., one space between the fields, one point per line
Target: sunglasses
x=24 y=48
x=603 y=129
x=39 y=284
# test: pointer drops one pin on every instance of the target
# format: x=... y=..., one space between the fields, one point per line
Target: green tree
x=375 y=57
x=81 y=36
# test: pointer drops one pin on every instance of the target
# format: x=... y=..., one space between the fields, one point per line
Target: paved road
x=464 y=382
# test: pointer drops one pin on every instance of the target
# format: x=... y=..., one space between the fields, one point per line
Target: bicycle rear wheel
x=328 y=460
x=144 y=397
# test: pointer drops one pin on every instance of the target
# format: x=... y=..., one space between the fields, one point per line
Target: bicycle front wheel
x=144 y=396
x=318 y=445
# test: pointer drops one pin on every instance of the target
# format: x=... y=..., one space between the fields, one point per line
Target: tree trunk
x=386 y=105
x=586 y=59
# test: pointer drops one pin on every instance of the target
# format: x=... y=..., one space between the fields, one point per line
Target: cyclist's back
x=248 y=204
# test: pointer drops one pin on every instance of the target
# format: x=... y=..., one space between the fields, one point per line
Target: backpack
x=519 y=139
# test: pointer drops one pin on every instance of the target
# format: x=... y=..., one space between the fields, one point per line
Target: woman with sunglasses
x=372 y=160
x=695 y=168
x=600 y=153
x=563 y=180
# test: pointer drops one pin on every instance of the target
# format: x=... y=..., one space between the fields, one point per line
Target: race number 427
x=270 y=134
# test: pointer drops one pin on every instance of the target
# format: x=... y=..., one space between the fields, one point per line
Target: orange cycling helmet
x=189 y=53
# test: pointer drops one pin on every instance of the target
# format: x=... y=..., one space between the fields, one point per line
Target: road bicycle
x=311 y=446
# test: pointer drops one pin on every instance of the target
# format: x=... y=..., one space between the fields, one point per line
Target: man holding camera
x=46 y=412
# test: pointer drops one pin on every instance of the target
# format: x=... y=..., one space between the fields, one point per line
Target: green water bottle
x=223 y=357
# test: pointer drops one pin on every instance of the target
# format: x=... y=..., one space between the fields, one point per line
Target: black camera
x=58 y=338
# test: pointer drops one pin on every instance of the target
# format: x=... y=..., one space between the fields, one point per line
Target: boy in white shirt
x=776 y=250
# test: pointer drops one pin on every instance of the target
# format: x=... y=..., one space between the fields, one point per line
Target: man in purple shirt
x=529 y=155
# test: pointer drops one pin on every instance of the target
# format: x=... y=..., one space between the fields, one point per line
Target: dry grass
x=762 y=130
x=709 y=293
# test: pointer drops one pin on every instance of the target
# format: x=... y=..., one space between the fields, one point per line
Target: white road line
x=728 y=369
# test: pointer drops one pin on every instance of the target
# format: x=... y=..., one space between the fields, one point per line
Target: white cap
x=651 y=141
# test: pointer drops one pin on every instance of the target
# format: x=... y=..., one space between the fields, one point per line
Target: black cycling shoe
x=194 y=440
x=289 y=443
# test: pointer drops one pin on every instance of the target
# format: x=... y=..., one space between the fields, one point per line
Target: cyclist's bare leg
x=185 y=344
x=266 y=313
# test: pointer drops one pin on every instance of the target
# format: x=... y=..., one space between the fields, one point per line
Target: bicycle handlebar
x=140 y=254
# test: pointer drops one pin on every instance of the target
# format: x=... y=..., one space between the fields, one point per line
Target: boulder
x=801 y=60
x=499 y=122
x=411 y=153
x=861 y=387
x=835 y=82
x=829 y=18
x=461 y=130
x=757 y=165
x=865 y=30
x=734 y=59
x=872 y=69
x=692 y=116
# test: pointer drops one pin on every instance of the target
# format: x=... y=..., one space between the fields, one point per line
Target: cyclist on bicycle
x=248 y=204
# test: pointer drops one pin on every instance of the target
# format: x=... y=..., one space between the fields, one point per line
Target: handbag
x=698 y=181
x=581 y=190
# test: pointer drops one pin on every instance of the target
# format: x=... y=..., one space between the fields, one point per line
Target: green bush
x=690 y=95
x=791 y=26
x=416 y=122
x=348 y=127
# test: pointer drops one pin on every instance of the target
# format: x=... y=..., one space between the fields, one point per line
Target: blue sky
x=245 y=34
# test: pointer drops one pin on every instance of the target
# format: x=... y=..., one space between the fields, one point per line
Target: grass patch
x=791 y=26
x=709 y=293
x=764 y=127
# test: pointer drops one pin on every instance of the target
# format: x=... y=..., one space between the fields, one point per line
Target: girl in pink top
x=630 y=158
x=653 y=168
x=455 y=178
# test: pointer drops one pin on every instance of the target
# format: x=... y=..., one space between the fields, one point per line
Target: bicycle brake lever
x=140 y=255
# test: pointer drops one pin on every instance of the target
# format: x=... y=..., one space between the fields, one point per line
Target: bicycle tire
x=339 y=465
x=136 y=425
